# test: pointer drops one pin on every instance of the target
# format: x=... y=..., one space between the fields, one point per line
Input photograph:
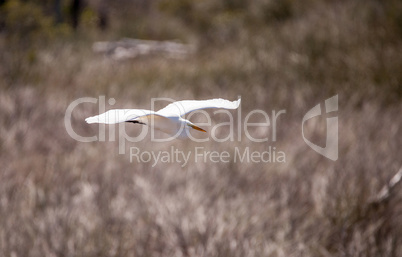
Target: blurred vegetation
x=60 y=197
x=321 y=43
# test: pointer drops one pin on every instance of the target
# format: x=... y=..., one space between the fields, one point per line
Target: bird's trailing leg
x=136 y=121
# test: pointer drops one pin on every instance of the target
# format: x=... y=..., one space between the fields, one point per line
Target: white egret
x=168 y=120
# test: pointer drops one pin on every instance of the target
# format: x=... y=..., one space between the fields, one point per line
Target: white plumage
x=168 y=119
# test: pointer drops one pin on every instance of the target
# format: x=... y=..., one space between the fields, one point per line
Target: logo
x=331 y=143
x=256 y=126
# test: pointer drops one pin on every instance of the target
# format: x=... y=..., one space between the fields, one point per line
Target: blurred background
x=61 y=197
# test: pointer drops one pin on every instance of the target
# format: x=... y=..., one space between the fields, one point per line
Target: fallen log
x=132 y=48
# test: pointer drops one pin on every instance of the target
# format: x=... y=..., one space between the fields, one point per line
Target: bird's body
x=168 y=120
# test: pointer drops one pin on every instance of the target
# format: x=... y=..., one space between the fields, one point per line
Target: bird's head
x=191 y=125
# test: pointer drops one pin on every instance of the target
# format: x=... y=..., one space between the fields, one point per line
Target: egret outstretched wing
x=180 y=108
x=119 y=115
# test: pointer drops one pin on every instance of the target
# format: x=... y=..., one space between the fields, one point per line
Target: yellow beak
x=197 y=128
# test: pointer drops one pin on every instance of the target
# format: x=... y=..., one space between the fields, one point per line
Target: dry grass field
x=62 y=197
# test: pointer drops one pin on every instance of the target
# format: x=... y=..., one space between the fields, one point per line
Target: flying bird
x=168 y=120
